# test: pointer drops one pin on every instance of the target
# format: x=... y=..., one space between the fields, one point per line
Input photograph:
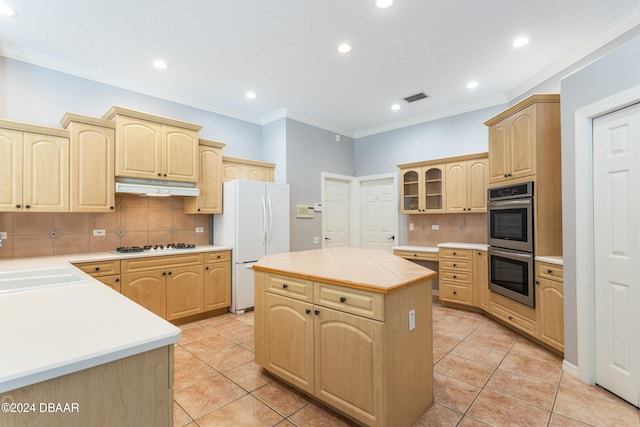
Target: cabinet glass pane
x=411 y=191
x=433 y=193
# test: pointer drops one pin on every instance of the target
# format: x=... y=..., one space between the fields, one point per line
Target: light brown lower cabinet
x=133 y=391
x=350 y=348
x=171 y=286
x=550 y=302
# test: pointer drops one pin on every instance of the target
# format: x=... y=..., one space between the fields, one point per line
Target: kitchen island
x=350 y=327
x=81 y=354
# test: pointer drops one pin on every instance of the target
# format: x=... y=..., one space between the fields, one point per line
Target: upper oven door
x=511 y=224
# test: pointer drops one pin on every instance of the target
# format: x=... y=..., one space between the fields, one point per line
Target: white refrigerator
x=255 y=223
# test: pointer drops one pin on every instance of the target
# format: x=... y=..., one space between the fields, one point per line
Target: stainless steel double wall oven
x=511 y=242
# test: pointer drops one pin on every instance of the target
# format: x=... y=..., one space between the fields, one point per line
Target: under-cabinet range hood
x=151 y=187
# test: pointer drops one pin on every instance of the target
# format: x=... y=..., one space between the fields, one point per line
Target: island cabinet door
x=288 y=340
x=349 y=364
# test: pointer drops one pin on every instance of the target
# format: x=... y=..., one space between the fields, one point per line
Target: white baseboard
x=570 y=368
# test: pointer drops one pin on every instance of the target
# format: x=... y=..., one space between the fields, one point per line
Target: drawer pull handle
x=308 y=311
x=550 y=271
x=316 y=312
x=342 y=299
x=285 y=286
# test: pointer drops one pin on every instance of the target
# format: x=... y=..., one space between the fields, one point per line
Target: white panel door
x=616 y=165
x=378 y=214
x=336 y=213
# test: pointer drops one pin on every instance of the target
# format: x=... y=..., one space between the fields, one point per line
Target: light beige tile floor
x=484 y=374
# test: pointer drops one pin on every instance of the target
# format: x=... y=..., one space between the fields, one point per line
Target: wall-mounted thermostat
x=304 y=211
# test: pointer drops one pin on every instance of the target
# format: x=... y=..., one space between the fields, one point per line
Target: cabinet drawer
x=549 y=271
x=455 y=293
x=526 y=325
x=423 y=256
x=354 y=301
x=100 y=268
x=160 y=262
x=455 y=253
x=299 y=289
x=455 y=276
x=221 y=256
x=458 y=265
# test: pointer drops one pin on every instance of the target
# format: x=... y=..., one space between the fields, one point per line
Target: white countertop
x=54 y=331
x=557 y=260
x=454 y=245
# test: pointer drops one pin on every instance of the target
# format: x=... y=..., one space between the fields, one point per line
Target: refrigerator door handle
x=263 y=230
x=270 y=220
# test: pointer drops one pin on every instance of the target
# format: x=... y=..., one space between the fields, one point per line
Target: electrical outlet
x=3 y=235
x=412 y=320
x=99 y=232
x=411 y=227
x=316 y=240
x=435 y=227
x=199 y=229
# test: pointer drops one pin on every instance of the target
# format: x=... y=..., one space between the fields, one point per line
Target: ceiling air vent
x=416 y=97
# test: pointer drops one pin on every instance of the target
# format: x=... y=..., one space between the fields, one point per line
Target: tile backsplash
x=459 y=228
x=137 y=220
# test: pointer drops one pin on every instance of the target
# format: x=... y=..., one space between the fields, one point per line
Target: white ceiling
x=285 y=51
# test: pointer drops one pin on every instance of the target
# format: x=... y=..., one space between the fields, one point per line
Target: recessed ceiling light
x=383 y=4
x=159 y=63
x=6 y=10
x=250 y=95
x=344 y=48
x=395 y=107
x=472 y=84
x=520 y=41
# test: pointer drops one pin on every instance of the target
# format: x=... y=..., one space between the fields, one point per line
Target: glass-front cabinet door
x=434 y=188
x=412 y=190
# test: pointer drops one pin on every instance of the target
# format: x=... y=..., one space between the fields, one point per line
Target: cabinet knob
x=97 y=268
x=537 y=282
x=165 y=174
x=18 y=206
x=455 y=292
x=308 y=311
x=550 y=271
x=455 y=253
x=285 y=286
x=27 y=206
x=169 y=273
x=506 y=176
x=219 y=256
x=510 y=318
x=206 y=268
x=455 y=277
x=198 y=209
x=316 y=312
x=159 y=174
x=342 y=299
x=164 y=273
x=112 y=207
x=455 y=265
x=117 y=280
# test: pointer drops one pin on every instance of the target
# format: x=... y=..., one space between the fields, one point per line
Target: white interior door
x=616 y=166
x=378 y=214
x=336 y=212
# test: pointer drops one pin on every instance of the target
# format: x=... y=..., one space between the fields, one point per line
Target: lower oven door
x=511 y=275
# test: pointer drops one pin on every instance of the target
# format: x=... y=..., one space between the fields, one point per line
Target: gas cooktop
x=155 y=248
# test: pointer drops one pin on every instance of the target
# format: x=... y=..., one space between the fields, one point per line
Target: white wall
x=37 y=95
x=274 y=147
x=612 y=74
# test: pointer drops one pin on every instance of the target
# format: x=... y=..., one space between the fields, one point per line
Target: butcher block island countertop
x=349 y=327
x=367 y=269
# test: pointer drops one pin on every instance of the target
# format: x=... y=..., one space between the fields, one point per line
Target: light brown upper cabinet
x=448 y=185
x=519 y=138
x=92 y=163
x=34 y=168
x=154 y=147
x=466 y=186
x=422 y=189
x=210 y=182
x=255 y=170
